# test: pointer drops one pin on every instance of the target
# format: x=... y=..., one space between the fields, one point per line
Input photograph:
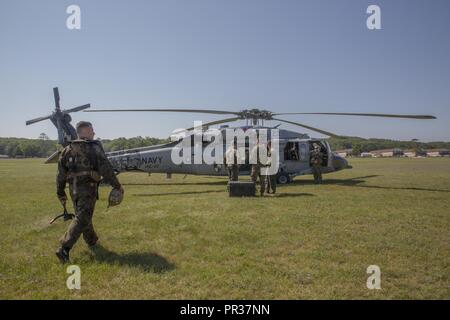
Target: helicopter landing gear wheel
x=283 y=178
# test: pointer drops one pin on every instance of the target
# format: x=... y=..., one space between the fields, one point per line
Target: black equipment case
x=241 y=189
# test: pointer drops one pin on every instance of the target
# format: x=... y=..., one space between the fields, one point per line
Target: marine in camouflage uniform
x=271 y=180
x=316 y=164
x=82 y=164
x=255 y=173
x=231 y=161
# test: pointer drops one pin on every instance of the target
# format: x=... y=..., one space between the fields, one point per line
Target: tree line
x=359 y=145
x=20 y=147
x=43 y=147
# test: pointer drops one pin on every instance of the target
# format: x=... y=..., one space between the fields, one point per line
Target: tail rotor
x=61 y=120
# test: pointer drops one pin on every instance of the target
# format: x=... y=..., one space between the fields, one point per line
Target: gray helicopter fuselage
x=294 y=151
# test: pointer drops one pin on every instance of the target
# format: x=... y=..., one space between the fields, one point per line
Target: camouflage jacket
x=80 y=157
x=234 y=156
x=316 y=157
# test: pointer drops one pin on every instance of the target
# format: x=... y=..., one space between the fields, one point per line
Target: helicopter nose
x=340 y=163
x=345 y=164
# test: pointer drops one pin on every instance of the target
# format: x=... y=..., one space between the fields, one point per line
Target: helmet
x=115 y=197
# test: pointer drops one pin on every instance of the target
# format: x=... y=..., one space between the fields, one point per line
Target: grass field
x=185 y=238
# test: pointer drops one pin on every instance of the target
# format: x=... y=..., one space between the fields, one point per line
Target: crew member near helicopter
x=82 y=164
x=255 y=173
x=316 y=157
x=271 y=180
x=231 y=159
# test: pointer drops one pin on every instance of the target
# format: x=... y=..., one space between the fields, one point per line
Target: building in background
x=366 y=155
x=387 y=153
x=344 y=153
x=438 y=153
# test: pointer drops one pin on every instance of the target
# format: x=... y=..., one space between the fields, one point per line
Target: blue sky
x=285 y=56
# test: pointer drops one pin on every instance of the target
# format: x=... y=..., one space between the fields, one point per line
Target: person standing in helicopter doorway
x=316 y=157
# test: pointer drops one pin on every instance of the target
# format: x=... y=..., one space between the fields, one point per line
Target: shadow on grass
x=345 y=182
x=351 y=182
x=357 y=182
x=147 y=261
x=293 y=194
x=211 y=183
x=177 y=193
x=404 y=188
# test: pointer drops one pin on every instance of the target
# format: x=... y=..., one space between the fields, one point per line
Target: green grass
x=187 y=239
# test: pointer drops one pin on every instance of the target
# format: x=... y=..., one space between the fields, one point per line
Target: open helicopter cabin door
x=325 y=150
x=329 y=153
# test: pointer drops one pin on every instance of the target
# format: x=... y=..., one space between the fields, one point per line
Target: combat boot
x=63 y=254
x=93 y=246
x=91 y=240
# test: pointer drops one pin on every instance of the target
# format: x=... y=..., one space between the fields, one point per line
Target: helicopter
x=294 y=147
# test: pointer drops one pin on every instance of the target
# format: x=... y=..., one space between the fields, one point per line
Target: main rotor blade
x=166 y=110
x=37 y=120
x=56 y=95
x=405 y=116
x=308 y=127
x=208 y=124
x=77 y=108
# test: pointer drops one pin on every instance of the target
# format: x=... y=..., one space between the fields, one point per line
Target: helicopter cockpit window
x=291 y=151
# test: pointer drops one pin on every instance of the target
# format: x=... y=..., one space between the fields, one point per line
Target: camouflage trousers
x=255 y=175
x=317 y=172
x=84 y=205
x=233 y=172
x=271 y=182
